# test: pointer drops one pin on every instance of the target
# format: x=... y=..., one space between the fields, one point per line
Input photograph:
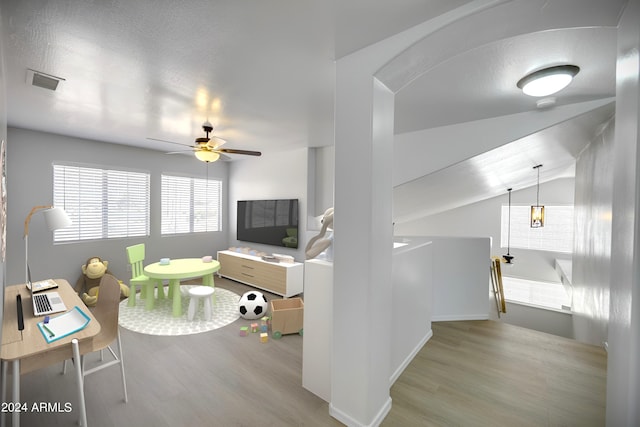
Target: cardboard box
x=286 y=316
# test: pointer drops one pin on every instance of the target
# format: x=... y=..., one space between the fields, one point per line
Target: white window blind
x=555 y=236
x=190 y=205
x=101 y=203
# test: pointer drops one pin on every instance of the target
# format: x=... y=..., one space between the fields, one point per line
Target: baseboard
x=410 y=357
x=349 y=421
x=454 y=317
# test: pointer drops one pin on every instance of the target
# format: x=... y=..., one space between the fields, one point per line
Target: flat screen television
x=270 y=222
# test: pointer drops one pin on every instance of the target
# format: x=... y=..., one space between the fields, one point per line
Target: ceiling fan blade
x=170 y=142
x=246 y=152
x=216 y=142
x=180 y=152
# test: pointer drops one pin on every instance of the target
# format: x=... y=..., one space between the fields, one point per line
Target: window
x=102 y=203
x=190 y=205
x=555 y=236
x=541 y=294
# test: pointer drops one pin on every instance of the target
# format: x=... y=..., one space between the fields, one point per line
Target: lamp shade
x=548 y=80
x=56 y=218
x=207 y=156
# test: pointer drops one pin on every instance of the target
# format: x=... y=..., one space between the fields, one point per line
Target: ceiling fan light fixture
x=548 y=80
x=207 y=156
x=207 y=148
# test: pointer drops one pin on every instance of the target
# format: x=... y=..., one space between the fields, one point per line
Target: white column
x=363 y=229
x=363 y=242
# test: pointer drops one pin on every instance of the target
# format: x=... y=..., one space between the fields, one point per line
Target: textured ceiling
x=263 y=72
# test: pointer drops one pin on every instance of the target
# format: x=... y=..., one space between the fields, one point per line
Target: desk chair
x=106 y=313
x=135 y=256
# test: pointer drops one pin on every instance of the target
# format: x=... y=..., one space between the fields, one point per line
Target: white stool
x=196 y=293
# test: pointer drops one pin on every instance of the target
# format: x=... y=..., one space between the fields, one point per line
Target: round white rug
x=160 y=320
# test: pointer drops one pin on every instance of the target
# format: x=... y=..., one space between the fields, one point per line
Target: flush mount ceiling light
x=548 y=80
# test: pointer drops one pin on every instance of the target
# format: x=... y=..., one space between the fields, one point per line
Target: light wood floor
x=487 y=373
x=479 y=373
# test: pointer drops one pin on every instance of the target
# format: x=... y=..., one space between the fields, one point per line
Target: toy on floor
x=87 y=285
x=287 y=316
x=252 y=305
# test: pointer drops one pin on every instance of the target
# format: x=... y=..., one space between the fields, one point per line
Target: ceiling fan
x=207 y=148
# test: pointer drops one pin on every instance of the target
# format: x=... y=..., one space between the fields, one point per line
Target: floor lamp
x=54 y=218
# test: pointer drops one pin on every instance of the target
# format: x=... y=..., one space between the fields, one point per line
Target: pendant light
x=537 y=211
x=508 y=257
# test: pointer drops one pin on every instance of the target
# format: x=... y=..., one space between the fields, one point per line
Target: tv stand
x=281 y=278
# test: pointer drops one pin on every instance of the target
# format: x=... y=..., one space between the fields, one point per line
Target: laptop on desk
x=45 y=302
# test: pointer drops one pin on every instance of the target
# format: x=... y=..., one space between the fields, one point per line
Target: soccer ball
x=253 y=305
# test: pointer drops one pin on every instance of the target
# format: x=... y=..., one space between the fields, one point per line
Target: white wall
x=592 y=249
x=461 y=278
x=623 y=371
x=482 y=219
x=539 y=319
x=410 y=306
x=412 y=302
x=318 y=326
x=3 y=137
x=30 y=155
x=281 y=175
x=320 y=193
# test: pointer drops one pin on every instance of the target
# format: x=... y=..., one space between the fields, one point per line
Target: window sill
x=564 y=310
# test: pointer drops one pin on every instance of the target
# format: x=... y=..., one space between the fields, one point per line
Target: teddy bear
x=88 y=284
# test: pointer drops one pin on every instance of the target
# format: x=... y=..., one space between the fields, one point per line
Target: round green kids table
x=181 y=269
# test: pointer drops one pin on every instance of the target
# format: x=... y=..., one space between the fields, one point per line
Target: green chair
x=135 y=256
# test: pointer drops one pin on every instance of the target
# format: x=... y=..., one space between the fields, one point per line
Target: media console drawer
x=285 y=279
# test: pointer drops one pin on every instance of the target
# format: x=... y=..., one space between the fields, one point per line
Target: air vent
x=43 y=80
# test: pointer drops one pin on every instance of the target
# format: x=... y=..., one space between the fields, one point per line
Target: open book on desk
x=63 y=325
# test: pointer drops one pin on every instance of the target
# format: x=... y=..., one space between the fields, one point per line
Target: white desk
x=27 y=350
